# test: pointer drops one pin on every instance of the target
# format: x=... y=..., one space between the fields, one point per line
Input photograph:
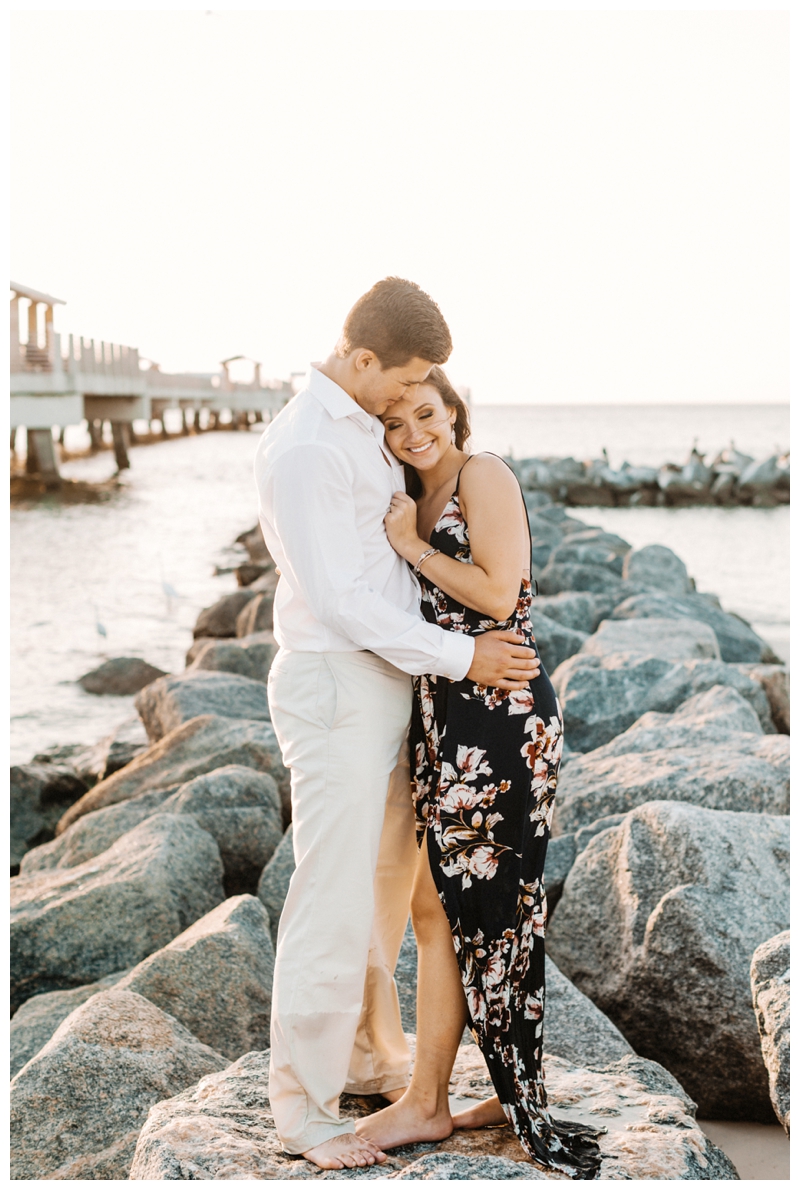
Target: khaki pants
x=341 y=721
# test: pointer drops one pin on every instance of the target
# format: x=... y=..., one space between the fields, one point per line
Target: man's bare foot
x=393 y=1096
x=345 y=1152
x=486 y=1114
x=403 y=1123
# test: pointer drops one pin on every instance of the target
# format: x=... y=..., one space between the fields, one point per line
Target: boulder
x=737 y=640
x=545 y=536
x=574 y=1028
x=751 y=775
x=585 y=576
x=100 y=760
x=716 y=716
x=601 y=697
x=70 y=926
x=658 y=567
x=578 y=610
x=238 y=806
x=576 y=550
x=274 y=883
x=220 y=618
x=77 y=1107
x=171 y=701
x=774 y=680
x=222 y=1130
x=253 y=542
x=40 y=793
x=199 y=746
x=35 y=1021
x=770 y=984
x=554 y=641
x=657 y=924
x=120 y=675
x=256 y=616
x=241 y=809
x=251 y=656
x=676 y=640
x=558 y=861
x=248 y=572
x=94 y=833
x=215 y=977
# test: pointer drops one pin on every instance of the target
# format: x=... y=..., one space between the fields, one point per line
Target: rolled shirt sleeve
x=315 y=522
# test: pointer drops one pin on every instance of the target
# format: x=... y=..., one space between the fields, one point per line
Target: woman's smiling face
x=419 y=428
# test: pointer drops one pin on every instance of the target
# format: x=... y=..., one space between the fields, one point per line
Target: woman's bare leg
x=484 y=1114
x=423 y=1113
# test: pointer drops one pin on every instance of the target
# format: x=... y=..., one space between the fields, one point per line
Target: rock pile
x=731 y=478
x=153 y=870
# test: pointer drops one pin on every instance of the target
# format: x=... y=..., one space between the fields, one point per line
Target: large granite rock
x=100 y=760
x=120 y=675
x=587 y=547
x=274 y=882
x=657 y=566
x=676 y=640
x=241 y=809
x=40 y=793
x=582 y=576
x=78 y=1105
x=578 y=610
x=752 y=778
x=770 y=984
x=199 y=746
x=172 y=701
x=563 y=850
x=220 y=618
x=222 y=1130
x=554 y=641
x=574 y=1028
x=737 y=640
x=70 y=926
x=657 y=924
x=251 y=656
x=711 y=751
x=256 y=616
x=602 y=696
x=95 y=833
x=774 y=680
x=238 y=806
x=215 y=977
x=35 y=1021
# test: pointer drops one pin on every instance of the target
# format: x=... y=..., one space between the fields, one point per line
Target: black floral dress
x=485 y=771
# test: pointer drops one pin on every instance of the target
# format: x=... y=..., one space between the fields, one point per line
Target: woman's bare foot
x=345 y=1151
x=403 y=1123
x=487 y=1113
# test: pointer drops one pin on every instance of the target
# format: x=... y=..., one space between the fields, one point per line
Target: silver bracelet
x=423 y=558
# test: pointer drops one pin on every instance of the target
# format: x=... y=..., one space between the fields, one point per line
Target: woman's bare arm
x=490 y=499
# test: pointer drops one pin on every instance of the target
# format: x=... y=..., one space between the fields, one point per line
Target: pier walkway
x=59 y=381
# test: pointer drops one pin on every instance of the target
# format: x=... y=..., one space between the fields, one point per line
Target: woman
x=484 y=771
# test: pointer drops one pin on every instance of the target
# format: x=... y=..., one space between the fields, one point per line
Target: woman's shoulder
x=485 y=472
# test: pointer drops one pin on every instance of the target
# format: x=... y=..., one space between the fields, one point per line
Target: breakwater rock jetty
x=731 y=478
x=151 y=871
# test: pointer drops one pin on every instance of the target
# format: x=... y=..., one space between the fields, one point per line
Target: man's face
x=376 y=390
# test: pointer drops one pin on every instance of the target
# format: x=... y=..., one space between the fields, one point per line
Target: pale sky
x=598 y=201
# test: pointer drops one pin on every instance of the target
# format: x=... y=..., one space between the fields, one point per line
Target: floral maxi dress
x=485 y=770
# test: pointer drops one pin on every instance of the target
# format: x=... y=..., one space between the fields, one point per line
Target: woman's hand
x=401 y=528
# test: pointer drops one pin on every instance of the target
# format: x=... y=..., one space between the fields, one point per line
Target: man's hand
x=503 y=659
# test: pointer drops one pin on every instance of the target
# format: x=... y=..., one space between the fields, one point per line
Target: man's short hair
x=397 y=321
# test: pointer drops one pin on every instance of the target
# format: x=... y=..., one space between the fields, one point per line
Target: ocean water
x=78 y=567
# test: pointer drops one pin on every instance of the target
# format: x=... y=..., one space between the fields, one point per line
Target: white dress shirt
x=325 y=481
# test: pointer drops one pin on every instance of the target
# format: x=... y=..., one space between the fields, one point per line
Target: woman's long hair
x=438 y=380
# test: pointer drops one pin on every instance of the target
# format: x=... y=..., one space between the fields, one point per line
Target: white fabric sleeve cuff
x=458 y=651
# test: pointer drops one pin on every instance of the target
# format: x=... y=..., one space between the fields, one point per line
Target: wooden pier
x=57 y=383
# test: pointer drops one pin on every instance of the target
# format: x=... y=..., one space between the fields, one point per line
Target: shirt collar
x=334 y=399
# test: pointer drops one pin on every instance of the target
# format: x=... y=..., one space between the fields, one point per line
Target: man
x=350 y=631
